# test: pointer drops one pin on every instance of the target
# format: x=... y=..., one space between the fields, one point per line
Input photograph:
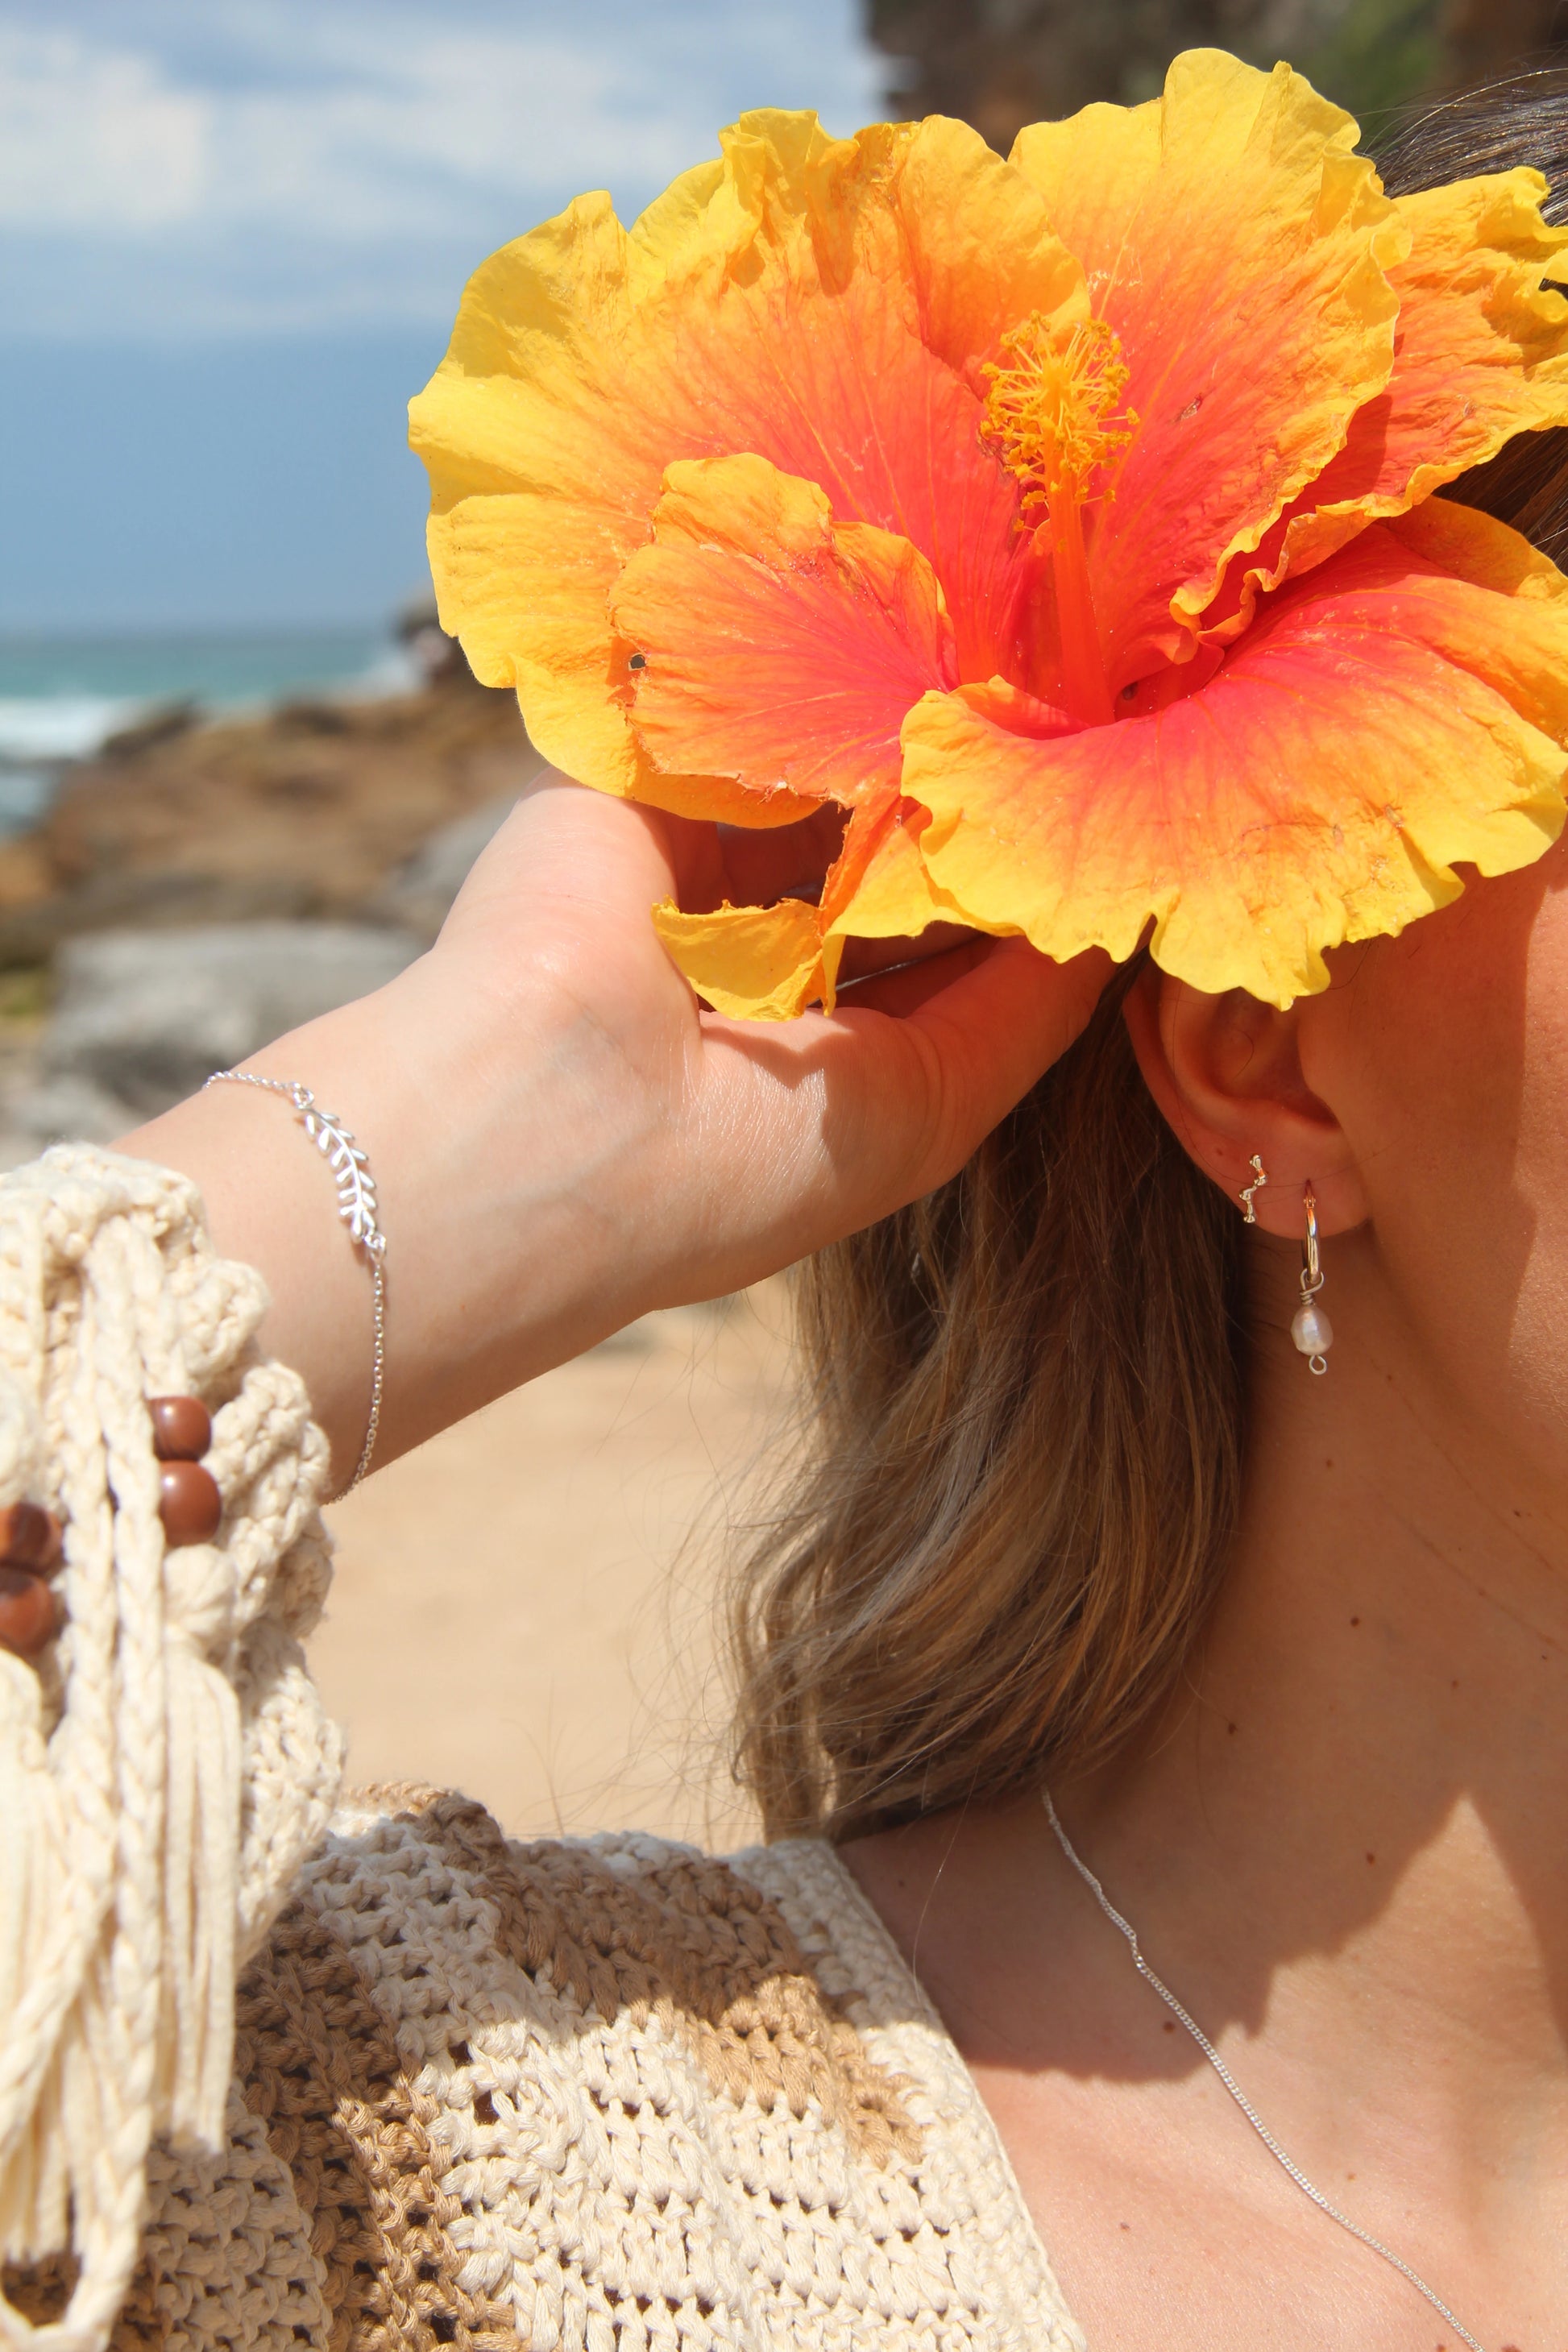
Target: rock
x=158 y=724
x=25 y=876
x=306 y=812
x=312 y=715
x=421 y=892
x=141 y=1018
x=143 y=899
x=61 y=1110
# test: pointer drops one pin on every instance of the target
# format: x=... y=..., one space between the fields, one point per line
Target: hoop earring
x=1260 y=1178
x=1310 y=1326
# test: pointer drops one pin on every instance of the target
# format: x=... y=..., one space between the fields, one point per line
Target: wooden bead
x=189 y=1504
x=29 y=1537
x=182 y=1428
x=29 y=1614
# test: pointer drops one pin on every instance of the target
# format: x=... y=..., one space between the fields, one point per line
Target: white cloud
x=95 y=139
x=442 y=121
x=313 y=159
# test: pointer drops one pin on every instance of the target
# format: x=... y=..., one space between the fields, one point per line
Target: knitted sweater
x=594 y=2096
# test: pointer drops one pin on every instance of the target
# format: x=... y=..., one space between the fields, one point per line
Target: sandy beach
x=525 y=1607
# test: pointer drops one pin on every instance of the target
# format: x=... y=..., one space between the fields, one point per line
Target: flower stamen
x=1051 y=414
x=1051 y=408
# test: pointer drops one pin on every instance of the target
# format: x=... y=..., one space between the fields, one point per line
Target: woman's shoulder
x=497 y=2093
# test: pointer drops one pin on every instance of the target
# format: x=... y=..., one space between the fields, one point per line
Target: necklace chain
x=1285 y=2162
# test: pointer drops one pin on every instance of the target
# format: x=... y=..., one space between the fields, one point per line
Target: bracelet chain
x=356 y=1207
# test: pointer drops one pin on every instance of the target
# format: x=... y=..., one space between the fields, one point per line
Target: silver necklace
x=1238 y=2094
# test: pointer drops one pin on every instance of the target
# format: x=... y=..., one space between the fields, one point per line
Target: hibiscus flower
x=1066 y=523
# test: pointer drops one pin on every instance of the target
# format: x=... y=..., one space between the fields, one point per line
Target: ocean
x=62 y=697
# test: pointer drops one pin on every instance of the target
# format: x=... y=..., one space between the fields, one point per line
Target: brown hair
x=1028 y=1389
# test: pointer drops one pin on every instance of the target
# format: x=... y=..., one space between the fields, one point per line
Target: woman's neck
x=1342 y=1842
x=1356 y=1809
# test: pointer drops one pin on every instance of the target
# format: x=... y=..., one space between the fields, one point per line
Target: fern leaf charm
x=356 y=1186
x=356 y=1207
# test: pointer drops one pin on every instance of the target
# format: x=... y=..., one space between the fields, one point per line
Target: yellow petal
x=895 y=899
x=767 y=963
x=1481 y=349
x=756 y=964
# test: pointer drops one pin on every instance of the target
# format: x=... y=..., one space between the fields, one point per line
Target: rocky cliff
x=308 y=811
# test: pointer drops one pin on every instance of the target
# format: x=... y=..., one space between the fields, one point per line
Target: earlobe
x=1225 y=1072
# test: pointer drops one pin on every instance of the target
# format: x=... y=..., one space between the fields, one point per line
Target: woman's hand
x=562 y=1138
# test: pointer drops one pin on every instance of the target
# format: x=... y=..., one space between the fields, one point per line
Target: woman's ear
x=1226 y=1071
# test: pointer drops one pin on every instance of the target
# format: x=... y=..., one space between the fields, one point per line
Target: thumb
x=951 y=1052
x=847 y=1116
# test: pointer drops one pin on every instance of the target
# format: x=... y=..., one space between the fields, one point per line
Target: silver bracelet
x=356 y=1207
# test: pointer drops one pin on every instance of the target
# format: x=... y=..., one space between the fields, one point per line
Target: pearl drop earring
x=1310 y=1326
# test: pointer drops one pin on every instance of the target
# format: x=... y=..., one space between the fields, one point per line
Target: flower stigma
x=1051 y=414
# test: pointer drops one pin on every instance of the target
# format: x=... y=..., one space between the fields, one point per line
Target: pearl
x=1312 y=1329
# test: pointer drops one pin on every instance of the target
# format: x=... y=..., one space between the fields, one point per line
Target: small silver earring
x=1260 y=1178
x=1310 y=1326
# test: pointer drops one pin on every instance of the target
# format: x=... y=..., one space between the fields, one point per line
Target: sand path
x=524 y=1607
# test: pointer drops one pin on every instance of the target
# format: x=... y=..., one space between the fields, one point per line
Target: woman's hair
x=1028 y=1392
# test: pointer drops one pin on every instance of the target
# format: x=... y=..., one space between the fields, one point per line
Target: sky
x=232 y=237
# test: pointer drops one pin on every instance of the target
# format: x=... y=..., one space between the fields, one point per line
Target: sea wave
x=62 y=725
x=73 y=724
x=394 y=670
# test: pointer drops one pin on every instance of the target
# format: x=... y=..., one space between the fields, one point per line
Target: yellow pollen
x=1051 y=409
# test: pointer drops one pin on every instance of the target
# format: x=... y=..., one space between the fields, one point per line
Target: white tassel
x=201 y=1875
x=162 y=1779
x=32 y=1868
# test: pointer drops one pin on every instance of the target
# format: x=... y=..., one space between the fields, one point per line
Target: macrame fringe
x=163 y=1777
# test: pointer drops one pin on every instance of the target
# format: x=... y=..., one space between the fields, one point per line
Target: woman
x=1282 y=1653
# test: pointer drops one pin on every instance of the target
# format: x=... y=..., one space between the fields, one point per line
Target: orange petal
x=808 y=300
x=1401 y=709
x=1480 y=354
x=756 y=964
x=1237 y=248
x=774 y=646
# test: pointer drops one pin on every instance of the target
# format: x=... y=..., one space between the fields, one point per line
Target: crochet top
x=393 y=2081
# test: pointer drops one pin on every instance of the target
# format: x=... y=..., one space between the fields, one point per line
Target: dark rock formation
x=1002 y=63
